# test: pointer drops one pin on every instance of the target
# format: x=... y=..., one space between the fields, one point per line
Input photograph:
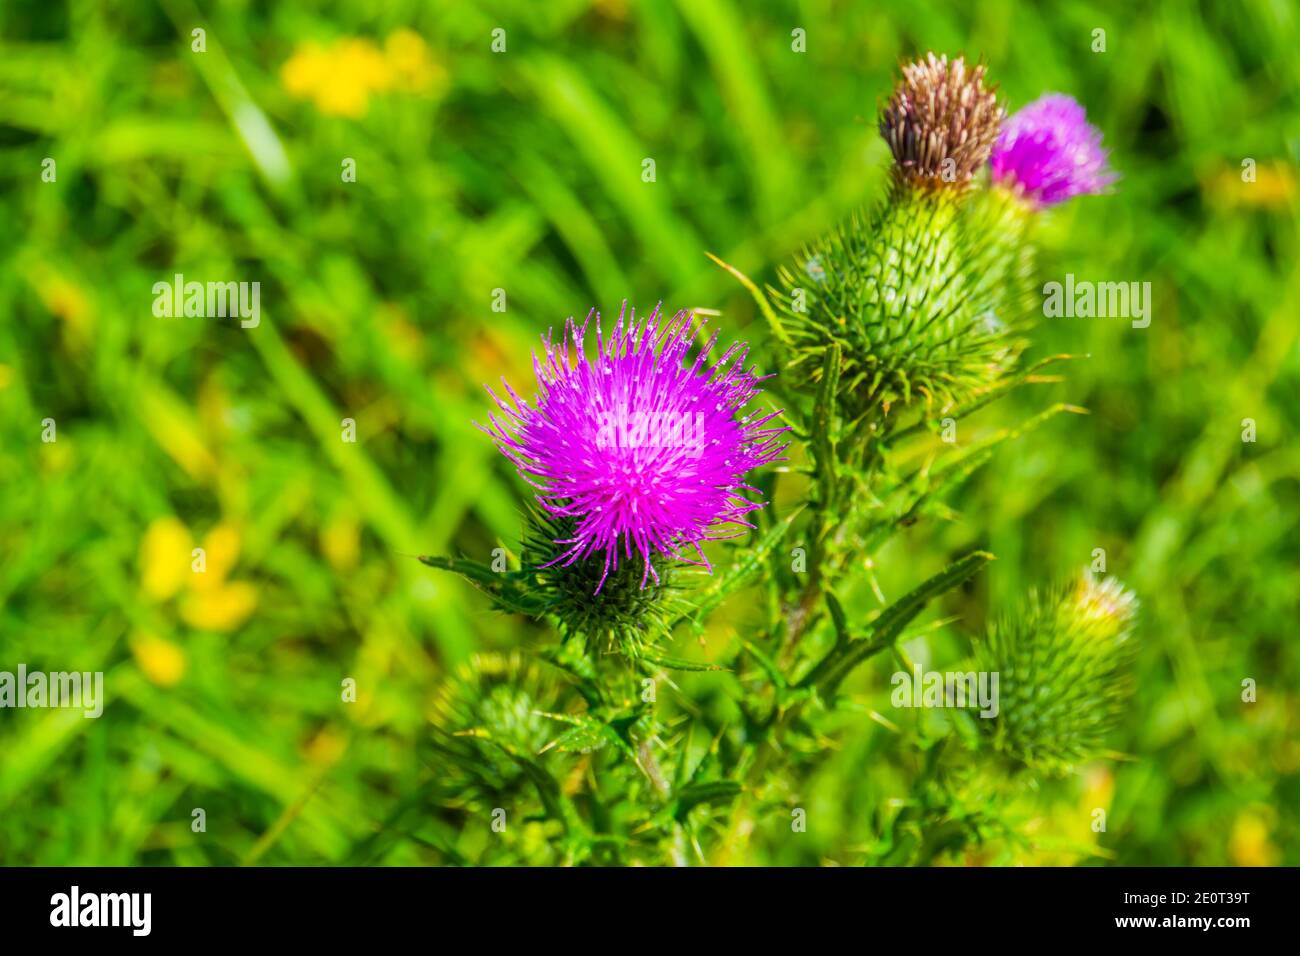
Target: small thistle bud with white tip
x=1062 y=664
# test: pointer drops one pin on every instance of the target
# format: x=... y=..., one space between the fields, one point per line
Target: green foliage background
x=522 y=171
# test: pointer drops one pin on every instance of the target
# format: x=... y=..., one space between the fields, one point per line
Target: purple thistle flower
x=642 y=450
x=1050 y=152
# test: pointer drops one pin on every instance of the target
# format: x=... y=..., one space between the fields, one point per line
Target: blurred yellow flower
x=221 y=551
x=408 y=56
x=63 y=297
x=165 y=558
x=341 y=77
x=340 y=541
x=1249 y=844
x=1273 y=187
x=160 y=661
x=168 y=567
x=305 y=70
x=220 y=608
x=67 y=301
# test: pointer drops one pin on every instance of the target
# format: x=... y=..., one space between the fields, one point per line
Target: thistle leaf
x=587 y=734
x=678 y=663
x=884 y=630
x=737 y=574
x=505 y=590
x=714 y=791
x=773 y=320
x=946 y=478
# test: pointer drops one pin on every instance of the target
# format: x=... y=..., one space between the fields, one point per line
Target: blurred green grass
x=522 y=171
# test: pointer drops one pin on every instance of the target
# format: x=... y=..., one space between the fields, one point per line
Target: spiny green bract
x=489 y=708
x=624 y=617
x=1062 y=665
x=903 y=297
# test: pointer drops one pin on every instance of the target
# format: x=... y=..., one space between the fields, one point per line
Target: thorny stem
x=864 y=453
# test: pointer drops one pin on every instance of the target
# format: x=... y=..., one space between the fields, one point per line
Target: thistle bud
x=898 y=291
x=1062 y=666
x=940 y=122
x=482 y=712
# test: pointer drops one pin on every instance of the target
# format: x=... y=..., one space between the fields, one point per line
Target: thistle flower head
x=1050 y=152
x=641 y=451
x=940 y=122
x=1062 y=664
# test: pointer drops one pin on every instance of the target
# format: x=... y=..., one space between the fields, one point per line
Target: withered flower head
x=941 y=122
x=1049 y=152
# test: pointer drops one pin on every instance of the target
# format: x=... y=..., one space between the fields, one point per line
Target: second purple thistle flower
x=1050 y=152
x=641 y=450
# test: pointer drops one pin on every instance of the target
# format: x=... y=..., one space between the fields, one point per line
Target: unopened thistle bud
x=485 y=710
x=1062 y=664
x=896 y=291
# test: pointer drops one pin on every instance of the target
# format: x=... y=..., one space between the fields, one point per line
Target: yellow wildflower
x=165 y=558
x=1249 y=844
x=340 y=78
x=220 y=608
x=408 y=57
x=340 y=542
x=161 y=661
x=221 y=551
x=169 y=567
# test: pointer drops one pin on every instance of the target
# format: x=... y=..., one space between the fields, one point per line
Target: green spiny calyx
x=900 y=297
x=902 y=292
x=1003 y=263
x=626 y=615
x=1062 y=666
x=496 y=698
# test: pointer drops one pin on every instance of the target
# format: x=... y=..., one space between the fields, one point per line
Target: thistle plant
x=655 y=465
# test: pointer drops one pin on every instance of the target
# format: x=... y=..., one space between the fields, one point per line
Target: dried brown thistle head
x=941 y=122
